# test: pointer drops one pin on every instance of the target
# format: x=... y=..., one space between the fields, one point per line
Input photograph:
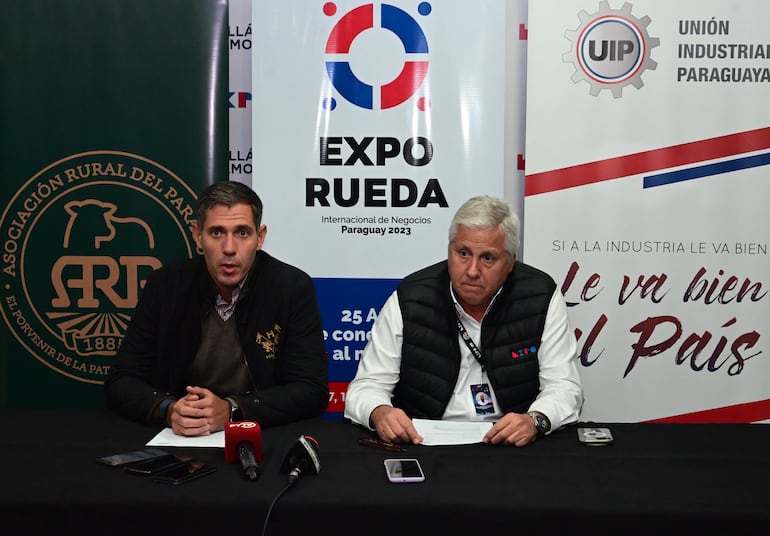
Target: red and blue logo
x=338 y=48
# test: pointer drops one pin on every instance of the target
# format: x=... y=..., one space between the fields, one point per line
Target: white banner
x=372 y=123
x=239 y=98
x=648 y=145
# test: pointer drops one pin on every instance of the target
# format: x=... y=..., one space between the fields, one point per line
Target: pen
x=380 y=444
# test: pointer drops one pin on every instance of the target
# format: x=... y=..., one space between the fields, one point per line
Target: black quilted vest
x=510 y=340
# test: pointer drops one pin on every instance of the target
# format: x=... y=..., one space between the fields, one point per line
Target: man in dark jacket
x=234 y=334
x=477 y=337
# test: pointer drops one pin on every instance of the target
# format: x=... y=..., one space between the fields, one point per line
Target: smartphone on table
x=184 y=473
x=595 y=436
x=403 y=470
x=124 y=458
x=156 y=466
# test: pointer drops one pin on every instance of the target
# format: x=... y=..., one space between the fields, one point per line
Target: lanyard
x=468 y=342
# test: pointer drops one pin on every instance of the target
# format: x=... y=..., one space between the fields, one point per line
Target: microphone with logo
x=302 y=459
x=243 y=442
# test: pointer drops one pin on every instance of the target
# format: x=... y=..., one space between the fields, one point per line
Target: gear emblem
x=610 y=49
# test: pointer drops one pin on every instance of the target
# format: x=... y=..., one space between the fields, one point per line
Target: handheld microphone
x=243 y=442
x=301 y=459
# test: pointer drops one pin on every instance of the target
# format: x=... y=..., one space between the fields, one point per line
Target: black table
x=656 y=478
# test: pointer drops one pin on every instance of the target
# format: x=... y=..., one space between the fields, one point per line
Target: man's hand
x=513 y=429
x=200 y=412
x=392 y=424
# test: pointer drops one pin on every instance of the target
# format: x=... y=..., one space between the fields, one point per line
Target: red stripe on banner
x=739 y=413
x=337 y=392
x=634 y=164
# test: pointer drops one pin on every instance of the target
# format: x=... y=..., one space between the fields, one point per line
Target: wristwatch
x=235 y=410
x=542 y=424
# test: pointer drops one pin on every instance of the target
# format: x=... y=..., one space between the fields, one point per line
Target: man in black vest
x=233 y=334
x=479 y=336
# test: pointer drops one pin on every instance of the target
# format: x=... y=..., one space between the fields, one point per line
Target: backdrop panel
x=372 y=123
x=114 y=116
x=646 y=193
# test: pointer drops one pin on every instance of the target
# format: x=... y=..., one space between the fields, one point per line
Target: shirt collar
x=459 y=307
x=226 y=309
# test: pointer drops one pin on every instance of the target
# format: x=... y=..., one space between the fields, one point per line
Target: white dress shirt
x=560 y=397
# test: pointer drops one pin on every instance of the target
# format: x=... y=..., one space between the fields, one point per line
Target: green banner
x=114 y=115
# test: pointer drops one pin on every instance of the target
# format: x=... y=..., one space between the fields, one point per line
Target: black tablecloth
x=655 y=478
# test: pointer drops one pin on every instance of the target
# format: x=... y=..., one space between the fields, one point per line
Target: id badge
x=482 y=399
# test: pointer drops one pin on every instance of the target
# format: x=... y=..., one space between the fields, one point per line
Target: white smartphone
x=595 y=436
x=404 y=470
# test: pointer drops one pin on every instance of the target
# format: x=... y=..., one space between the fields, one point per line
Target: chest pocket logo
x=269 y=341
x=522 y=352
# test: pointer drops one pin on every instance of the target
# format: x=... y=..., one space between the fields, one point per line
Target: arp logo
x=349 y=28
x=80 y=239
x=610 y=49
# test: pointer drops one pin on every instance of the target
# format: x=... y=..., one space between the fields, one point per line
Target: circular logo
x=354 y=23
x=610 y=49
x=79 y=240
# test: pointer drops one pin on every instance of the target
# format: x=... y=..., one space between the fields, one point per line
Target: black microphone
x=250 y=465
x=243 y=442
x=301 y=459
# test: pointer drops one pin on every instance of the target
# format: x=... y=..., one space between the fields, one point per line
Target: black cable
x=275 y=500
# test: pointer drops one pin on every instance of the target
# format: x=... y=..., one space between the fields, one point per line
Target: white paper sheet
x=451 y=432
x=167 y=438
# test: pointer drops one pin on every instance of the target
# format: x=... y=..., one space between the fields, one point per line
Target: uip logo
x=377 y=56
x=610 y=49
x=80 y=239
